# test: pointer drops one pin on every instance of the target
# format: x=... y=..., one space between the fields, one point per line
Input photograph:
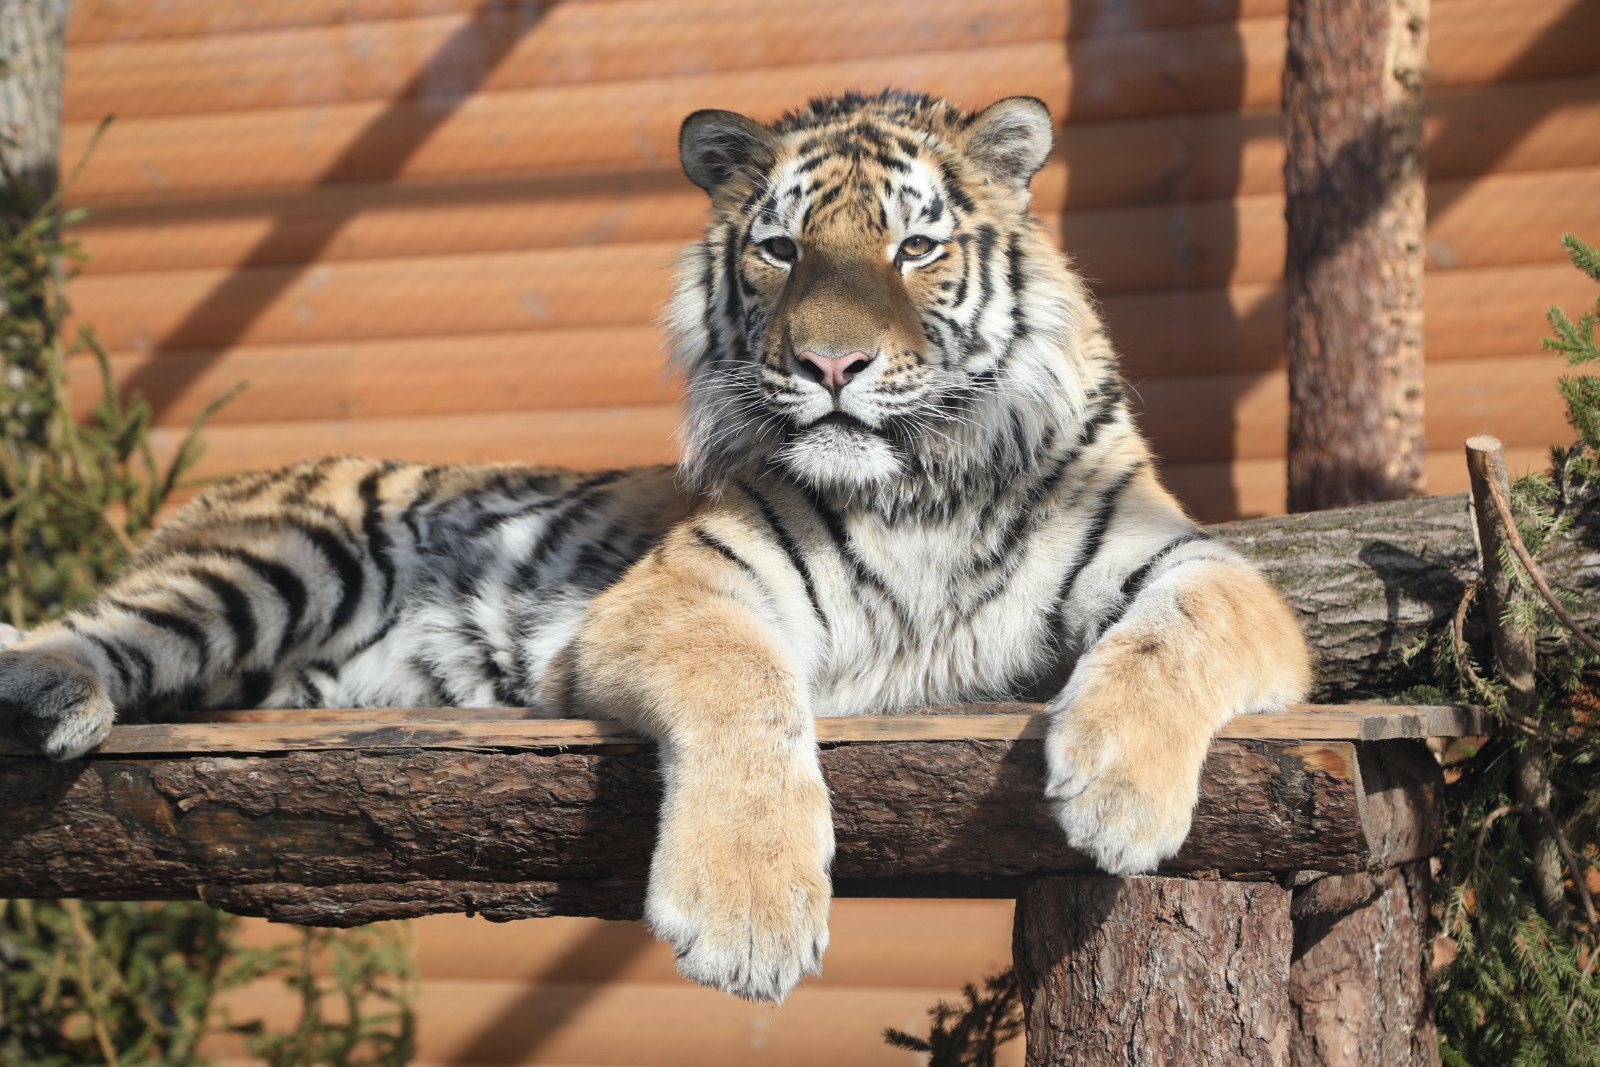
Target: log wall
x=441 y=228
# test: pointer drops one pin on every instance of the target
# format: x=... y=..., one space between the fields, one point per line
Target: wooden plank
x=501 y=49
x=1244 y=416
x=641 y=1024
x=129 y=20
x=1506 y=219
x=344 y=837
x=444 y=728
x=493 y=292
x=1514 y=127
x=124 y=20
x=382 y=220
x=580 y=438
x=394 y=377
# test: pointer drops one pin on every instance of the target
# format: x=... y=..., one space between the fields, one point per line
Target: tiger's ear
x=713 y=144
x=1010 y=139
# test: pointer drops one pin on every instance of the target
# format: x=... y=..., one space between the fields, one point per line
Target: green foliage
x=968 y=1035
x=1523 y=988
x=133 y=983
x=97 y=983
x=73 y=498
x=370 y=983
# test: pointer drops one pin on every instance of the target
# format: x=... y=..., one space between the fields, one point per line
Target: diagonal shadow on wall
x=380 y=152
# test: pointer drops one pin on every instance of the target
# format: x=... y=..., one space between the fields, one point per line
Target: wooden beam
x=295 y=729
x=339 y=837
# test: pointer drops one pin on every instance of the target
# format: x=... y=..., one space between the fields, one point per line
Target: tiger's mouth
x=842 y=419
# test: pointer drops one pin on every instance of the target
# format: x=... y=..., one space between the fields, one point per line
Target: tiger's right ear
x=713 y=144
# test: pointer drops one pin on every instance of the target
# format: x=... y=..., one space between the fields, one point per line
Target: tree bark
x=1118 y=971
x=33 y=35
x=1368 y=582
x=1358 y=983
x=1354 y=177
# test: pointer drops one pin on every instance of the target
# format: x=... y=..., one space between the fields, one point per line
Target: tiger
x=910 y=476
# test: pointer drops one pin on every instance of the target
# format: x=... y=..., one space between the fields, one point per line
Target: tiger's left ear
x=1010 y=140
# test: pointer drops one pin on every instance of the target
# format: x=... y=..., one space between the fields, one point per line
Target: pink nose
x=836 y=370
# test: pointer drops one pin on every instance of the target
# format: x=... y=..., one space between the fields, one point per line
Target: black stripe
x=290 y=589
x=581 y=501
x=352 y=577
x=187 y=629
x=254 y=687
x=235 y=609
x=118 y=664
x=1095 y=536
x=864 y=575
x=379 y=544
x=791 y=548
x=709 y=540
x=1134 y=584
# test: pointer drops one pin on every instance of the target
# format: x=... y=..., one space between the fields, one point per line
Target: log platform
x=1289 y=928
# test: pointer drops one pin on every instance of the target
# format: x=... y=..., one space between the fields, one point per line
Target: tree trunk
x=1368 y=581
x=1357 y=984
x=1354 y=177
x=33 y=36
x=1153 y=971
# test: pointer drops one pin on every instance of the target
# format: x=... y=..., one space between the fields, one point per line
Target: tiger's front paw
x=743 y=894
x=1123 y=799
x=53 y=703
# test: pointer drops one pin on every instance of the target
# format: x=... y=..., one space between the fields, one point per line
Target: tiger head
x=873 y=307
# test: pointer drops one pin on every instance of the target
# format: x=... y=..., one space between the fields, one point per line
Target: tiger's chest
x=936 y=612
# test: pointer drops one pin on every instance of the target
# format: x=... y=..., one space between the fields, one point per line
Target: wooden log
x=338 y=837
x=1368 y=581
x=1358 y=983
x=1124 y=971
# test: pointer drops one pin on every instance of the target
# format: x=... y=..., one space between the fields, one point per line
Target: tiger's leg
x=692 y=648
x=235 y=587
x=1196 y=635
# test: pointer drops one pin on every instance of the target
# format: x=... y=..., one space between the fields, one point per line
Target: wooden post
x=1514 y=658
x=1153 y=971
x=1358 y=985
x=33 y=36
x=1354 y=177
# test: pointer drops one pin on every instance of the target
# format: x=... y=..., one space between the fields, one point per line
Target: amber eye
x=781 y=249
x=917 y=247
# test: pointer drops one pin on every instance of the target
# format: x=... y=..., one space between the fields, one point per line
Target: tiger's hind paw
x=52 y=703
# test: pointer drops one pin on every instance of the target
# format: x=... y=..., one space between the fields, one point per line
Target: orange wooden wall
x=440 y=229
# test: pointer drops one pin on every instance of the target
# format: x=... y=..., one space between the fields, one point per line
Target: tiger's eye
x=917 y=247
x=781 y=249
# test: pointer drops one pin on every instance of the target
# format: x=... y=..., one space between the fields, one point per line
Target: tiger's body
x=911 y=475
